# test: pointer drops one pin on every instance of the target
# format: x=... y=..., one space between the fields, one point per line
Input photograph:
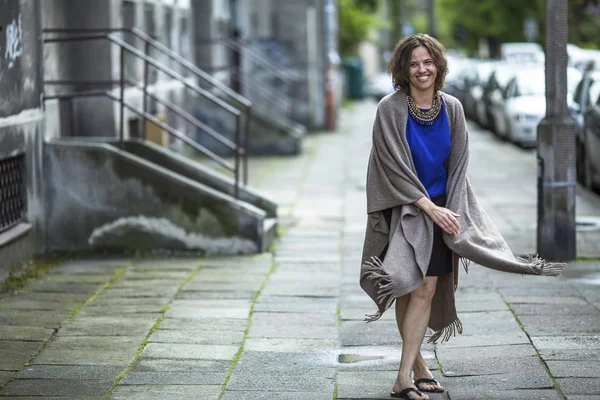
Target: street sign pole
x=556 y=236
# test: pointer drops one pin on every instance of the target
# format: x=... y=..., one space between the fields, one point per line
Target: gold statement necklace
x=428 y=117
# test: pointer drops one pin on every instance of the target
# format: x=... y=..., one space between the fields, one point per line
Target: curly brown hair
x=398 y=66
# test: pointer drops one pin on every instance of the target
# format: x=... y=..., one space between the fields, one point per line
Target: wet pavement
x=288 y=324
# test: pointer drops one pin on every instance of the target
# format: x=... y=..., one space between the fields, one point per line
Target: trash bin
x=354 y=70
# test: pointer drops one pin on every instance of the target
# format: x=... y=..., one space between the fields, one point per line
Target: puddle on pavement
x=352 y=358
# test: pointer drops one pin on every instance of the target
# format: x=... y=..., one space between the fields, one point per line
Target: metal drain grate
x=12 y=192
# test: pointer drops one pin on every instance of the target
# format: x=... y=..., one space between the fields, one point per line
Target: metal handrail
x=125 y=47
x=258 y=59
x=97 y=93
x=238 y=46
x=168 y=104
x=149 y=41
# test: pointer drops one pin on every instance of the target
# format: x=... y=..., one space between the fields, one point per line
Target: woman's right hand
x=445 y=219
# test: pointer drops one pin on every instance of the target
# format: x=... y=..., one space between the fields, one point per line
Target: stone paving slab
x=492 y=366
x=195 y=295
x=509 y=381
x=65 y=299
x=6 y=376
x=44 y=319
x=292 y=331
x=114 y=325
x=208 y=337
x=204 y=324
x=165 y=291
x=190 y=351
x=70 y=372
x=39 y=305
x=292 y=304
x=262 y=395
x=463 y=341
x=568 y=355
x=469 y=393
x=556 y=300
x=579 y=386
x=92 y=279
x=57 y=387
x=483 y=352
x=166 y=392
x=204 y=313
x=16 y=353
x=294 y=361
x=574 y=369
x=353 y=333
x=289 y=345
x=50 y=287
x=150 y=310
x=288 y=318
x=85 y=357
x=210 y=303
x=272 y=380
x=301 y=290
x=173 y=378
x=178 y=365
x=91 y=265
x=25 y=333
x=591 y=343
x=550 y=325
x=555 y=309
x=116 y=343
x=133 y=274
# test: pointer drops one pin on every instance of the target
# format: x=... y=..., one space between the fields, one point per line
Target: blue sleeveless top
x=430 y=148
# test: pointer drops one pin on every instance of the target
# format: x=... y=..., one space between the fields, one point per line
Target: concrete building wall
x=298 y=25
x=21 y=127
x=167 y=20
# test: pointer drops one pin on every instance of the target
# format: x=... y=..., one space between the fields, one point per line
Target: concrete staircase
x=142 y=197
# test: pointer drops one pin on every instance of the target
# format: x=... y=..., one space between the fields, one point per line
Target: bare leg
x=420 y=369
x=413 y=328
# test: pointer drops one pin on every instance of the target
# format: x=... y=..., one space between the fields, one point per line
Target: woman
x=422 y=214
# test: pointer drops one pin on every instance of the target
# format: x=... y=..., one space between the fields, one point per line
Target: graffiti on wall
x=14 y=40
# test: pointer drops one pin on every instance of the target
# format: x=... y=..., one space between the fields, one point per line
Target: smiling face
x=422 y=71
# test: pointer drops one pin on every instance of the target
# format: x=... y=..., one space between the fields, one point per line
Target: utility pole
x=431 y=18
x=556 y=236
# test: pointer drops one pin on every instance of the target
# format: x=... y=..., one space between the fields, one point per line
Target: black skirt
x=441 y=256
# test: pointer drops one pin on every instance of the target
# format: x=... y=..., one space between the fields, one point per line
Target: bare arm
x=446 y=219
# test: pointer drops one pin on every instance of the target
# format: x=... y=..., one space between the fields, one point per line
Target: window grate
x=12 y=192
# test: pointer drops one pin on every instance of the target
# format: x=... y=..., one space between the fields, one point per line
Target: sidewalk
x=288 y=325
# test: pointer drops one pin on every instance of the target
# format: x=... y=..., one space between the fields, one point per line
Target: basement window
x=12 y=192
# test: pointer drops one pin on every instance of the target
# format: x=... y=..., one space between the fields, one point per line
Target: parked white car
x=525 y=103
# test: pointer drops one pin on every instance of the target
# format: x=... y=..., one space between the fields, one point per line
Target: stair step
x=269 y=233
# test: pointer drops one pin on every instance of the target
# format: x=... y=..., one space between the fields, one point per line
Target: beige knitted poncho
x=392 y=182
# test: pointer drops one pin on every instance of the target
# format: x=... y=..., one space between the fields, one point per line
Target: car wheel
x=509 y=135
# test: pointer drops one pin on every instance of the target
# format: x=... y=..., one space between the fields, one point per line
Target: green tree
x=356 y=20
x=496 y=21
x=499 y=21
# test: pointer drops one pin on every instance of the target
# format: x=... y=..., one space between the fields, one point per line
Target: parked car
x=379 y=86
x=459 y=77
x=522 y=51
x=583 y=97
x=493 y=93
x=473 y=104
x=591 y=137
x=523 y=104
